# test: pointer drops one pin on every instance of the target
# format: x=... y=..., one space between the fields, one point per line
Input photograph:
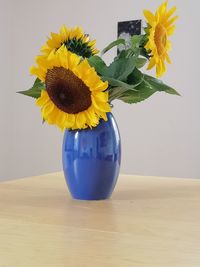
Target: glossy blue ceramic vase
x=91 y=160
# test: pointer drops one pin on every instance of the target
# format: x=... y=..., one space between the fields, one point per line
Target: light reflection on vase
x=91 y=160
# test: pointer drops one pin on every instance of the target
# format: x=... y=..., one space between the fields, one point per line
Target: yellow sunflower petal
x=101 y=86
x=162 y=9
x=69 y=121
x=60 y=120
x=149 y=16
x=39 y=72
x=151 y=63
x=54 y=41
x=52 y=117
x=47 y=109
x=82 y=69
x=57 y=117
x=92 y=79
x=163 y=67
x=92 y=43
x=168 y=45
x=45 y=49
x=100 y=96
x=85 y=38
x=168 y=59
x=159 y=70
x=170 y=30
x=73 y=61
x=64 y=33
x=170 y=22
x=102 y=115
x=43 y=99
x=80 y=120
x=170 y=12
x=75 y=32
x=95 y=51
x=51 y=55
x=79 y=33
x=101 y=106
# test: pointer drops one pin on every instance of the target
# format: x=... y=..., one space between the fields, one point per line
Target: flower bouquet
x=74 y=89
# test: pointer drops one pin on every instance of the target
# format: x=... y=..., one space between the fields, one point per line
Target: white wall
x=5 y=87
x=159 y=136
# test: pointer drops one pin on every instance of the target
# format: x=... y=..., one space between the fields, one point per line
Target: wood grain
x=149 y=222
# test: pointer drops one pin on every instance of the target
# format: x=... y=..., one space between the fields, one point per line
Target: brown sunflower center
x=160 y=38
x=67 y=91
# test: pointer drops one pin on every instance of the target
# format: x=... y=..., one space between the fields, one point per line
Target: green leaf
x=37 y=82
x=143 y=92
x=172 y=91
x=145 y=53
x=113 y=44
x=147 y=87
x=136 y=41
x=158 y=85
x=120 y=68
x=117 y=92
x=34 y=91
x=135 y=78
x=123 y=54
x=147 y=29
x=140 y=62
x=117 y=83
x=97 y=63
x=118 y=88
x=138 y=45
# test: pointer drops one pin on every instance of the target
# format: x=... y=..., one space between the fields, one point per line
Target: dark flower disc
x=67 y=91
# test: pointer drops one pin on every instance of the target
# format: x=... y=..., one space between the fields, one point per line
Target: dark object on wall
x=126 y=29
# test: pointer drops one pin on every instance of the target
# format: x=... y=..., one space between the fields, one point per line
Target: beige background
x=159 y=136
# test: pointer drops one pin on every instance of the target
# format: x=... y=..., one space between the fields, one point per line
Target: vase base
x=87 y=198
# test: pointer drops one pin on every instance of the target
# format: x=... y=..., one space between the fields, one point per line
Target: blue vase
x=91 y=160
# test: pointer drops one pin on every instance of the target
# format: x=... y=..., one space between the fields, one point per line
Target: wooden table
x=149 y=222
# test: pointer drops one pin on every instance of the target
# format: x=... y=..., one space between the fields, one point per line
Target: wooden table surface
x=148 y=222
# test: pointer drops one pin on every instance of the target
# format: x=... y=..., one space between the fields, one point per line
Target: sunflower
x=73 y=39
x=160 y=26
x=75 y=96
